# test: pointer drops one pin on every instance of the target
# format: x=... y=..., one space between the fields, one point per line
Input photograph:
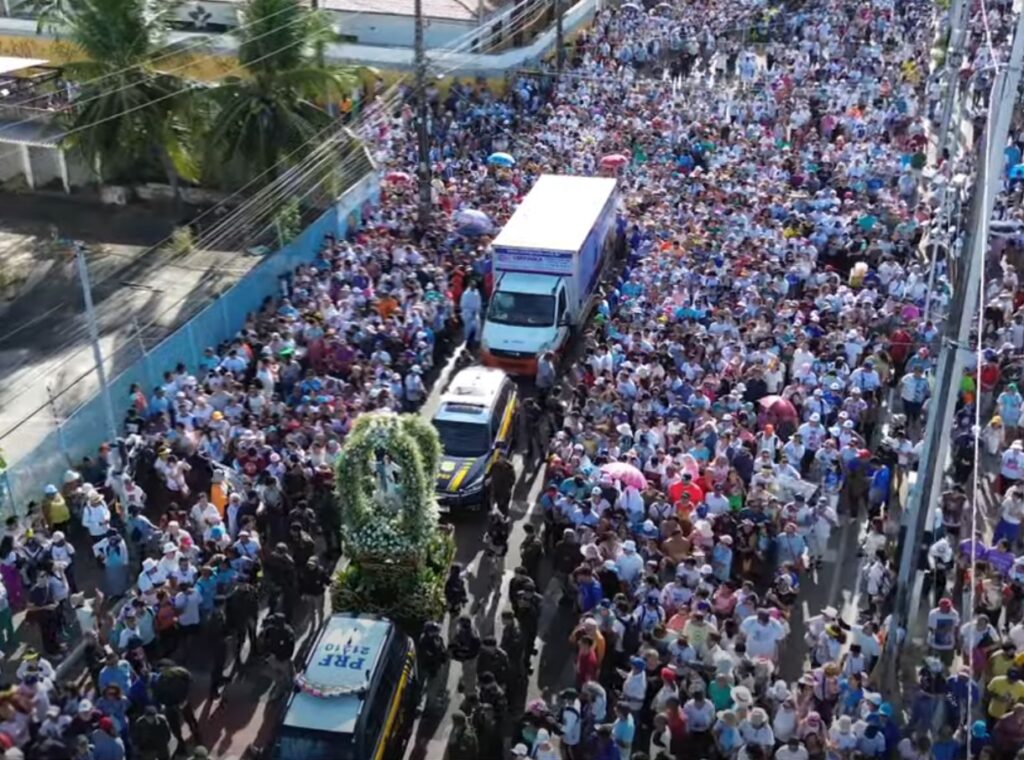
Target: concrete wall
x=45 y=166
x=10 y=162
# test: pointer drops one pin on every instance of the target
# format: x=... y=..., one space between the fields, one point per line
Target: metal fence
x=81 y=432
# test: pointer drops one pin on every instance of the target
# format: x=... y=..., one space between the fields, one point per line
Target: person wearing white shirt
x=716 y=501
x=793 y=749
x=763 y=634
x=700 y=714
x=756 y=731
x=150 y=579
x=247 y=545
x=96 y=516
x=630 y=564
x=203 y=512
x=569 y=718
x=187 y=603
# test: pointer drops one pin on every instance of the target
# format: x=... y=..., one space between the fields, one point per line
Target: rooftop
x=455 y=10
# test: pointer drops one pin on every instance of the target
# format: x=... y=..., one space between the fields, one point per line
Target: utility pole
x=315 y=7
x=422 y=114
x=955 y=343
x=94 y=337
x=559 y=38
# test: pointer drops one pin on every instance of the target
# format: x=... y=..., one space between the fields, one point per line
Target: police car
x=475 y=421
x=354 y=697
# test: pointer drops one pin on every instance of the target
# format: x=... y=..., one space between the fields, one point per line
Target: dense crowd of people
x=759 y=374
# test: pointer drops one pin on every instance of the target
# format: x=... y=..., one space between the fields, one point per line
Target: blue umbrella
x=471 y=222
x=501 y=159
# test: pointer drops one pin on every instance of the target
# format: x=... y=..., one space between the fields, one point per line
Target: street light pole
x=422 y=114
x=94 y=337
x=559 y=38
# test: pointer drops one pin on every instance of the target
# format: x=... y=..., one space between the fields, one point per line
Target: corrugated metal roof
x=30 y=133
x=461 y=10
x=9 y=64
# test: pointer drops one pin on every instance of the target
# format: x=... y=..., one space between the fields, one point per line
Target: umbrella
x=778 y=407
x=614 y=161
x=471 y=222
x=396 y=177
x=625 y=473
x=501 y=159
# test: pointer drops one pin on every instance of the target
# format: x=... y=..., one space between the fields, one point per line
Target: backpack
x=630 y=634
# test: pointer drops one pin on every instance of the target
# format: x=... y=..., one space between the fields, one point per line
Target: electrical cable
x=465 y=38
x=203 y=41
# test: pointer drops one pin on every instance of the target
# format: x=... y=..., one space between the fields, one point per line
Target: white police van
x=354 y=697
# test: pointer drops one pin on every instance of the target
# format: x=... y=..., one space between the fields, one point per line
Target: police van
x=475 y=420
x=354 y=697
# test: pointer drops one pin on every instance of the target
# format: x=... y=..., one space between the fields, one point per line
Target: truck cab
x=548 y=261
x=527 y=315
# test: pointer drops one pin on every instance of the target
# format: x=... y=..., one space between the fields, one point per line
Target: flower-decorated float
x=398 y=554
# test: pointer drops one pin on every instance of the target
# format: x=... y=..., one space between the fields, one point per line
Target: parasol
x=396 y=177
x=614 y=161
x=501 y=159
x=626 y=474
x=471 y=222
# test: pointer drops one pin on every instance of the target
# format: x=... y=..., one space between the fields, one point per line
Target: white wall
x=397 y=31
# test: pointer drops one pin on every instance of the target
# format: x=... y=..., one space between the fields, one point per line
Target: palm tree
x=133 y=119
x=274 y=108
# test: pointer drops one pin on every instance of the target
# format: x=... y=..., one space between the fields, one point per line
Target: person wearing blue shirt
x=623 y=729
x=115 y=671
x=589 y=592
x=158 y=403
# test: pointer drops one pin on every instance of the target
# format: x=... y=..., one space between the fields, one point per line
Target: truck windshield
x=521 y=309
x=463 y=439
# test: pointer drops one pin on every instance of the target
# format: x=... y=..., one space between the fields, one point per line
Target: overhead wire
x=391 y=99
x=174 y=51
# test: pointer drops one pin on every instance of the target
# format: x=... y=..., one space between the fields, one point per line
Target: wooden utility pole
x=422 y=115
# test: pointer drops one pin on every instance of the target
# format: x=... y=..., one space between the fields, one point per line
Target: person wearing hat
x=756 y=731
x=55 y=510
x=544 y=748
x=96 y=516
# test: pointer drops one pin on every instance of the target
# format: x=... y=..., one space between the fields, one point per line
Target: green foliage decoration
x=398 y=554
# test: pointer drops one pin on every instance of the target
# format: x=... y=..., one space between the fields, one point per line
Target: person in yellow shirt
x=55 y=509
x=1004 y=692
x=1000 y=661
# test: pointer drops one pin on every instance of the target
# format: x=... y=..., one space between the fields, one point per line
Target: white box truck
x=547 y=262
